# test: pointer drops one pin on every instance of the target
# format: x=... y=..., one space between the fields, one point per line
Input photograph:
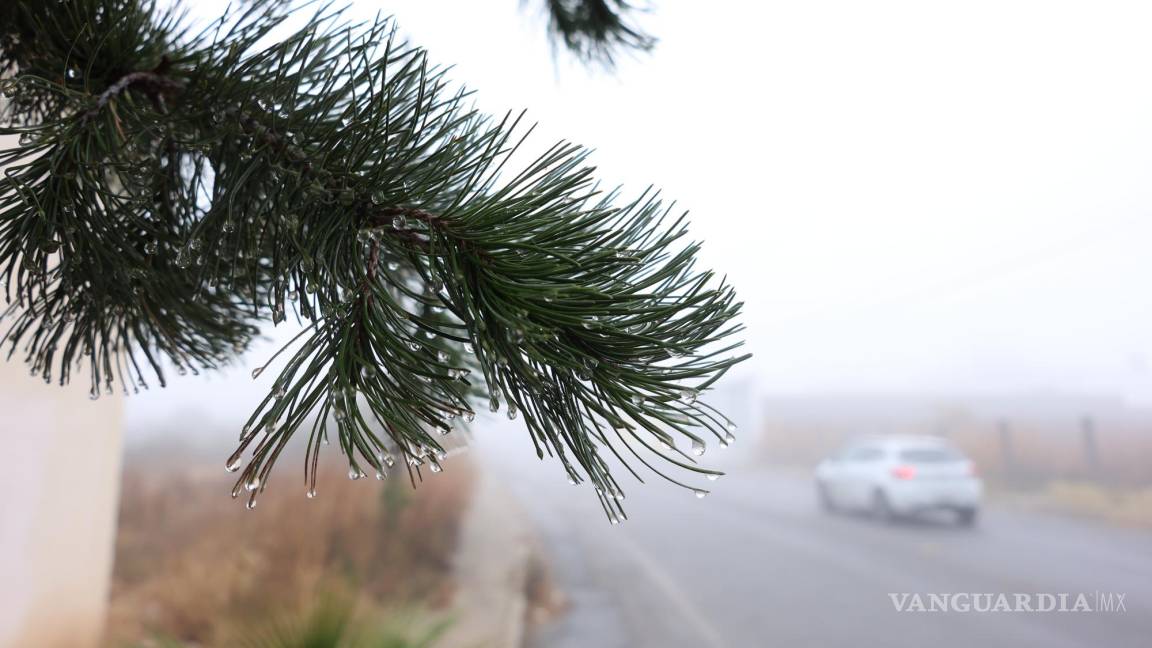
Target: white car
x=893 y=477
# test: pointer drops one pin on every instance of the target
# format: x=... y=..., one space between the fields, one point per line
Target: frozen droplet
x=233 y=463
x=637 y=400
x=666 y=445
x=251 y=502
x=494 y=405
x=469 y=416
x=712 y=476
x=441 y=356
x=281 y=392
x=511 y=411
x=389 y=460
x=688 y=396
x=516 y=336
x=252 y=484
x=256 y=372
x=729 y=438
x=468 y=348
x=415 y=346
x=572 y=480
x=731 y=427
x=380 y=475
x=393 y=266
x=368 y=372
x=699 y=493
x=698 y=447
x=354 y=473
x=434 y=467
x=399 y=222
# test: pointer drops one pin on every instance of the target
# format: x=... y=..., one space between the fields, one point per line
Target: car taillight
x=903 y=472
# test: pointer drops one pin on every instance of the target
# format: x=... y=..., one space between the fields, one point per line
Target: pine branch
x=173 y=190
x=596 y=30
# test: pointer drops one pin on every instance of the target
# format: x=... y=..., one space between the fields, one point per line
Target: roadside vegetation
x=364 y=563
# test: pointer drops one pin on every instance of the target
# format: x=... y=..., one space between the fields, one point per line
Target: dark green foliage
x=174 y=189
x=595 y=30
x=331 y=623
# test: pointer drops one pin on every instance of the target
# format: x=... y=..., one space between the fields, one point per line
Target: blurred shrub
x=332 y=622
x=195 y=566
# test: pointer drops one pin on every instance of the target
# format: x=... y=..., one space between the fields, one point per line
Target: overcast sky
x=909 y=196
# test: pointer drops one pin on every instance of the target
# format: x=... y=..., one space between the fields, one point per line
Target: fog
x=910 y=197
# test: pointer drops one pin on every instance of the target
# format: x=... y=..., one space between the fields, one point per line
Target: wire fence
x=1018 y=451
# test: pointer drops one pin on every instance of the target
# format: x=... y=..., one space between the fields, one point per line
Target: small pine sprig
x=596 y=31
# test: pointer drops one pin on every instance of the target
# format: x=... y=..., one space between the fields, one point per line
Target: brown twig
x=154 y=83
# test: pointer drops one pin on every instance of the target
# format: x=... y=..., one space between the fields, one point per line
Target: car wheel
x=827 y=504
x=882 y=508
x=966 y=516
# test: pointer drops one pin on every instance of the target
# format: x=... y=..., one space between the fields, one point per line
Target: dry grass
x=1121 y=507
x=194 y=565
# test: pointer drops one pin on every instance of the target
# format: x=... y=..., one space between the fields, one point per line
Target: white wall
x=59 y=488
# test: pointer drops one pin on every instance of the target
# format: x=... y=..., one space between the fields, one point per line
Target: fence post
x=1007 y=459
x=1091 y=453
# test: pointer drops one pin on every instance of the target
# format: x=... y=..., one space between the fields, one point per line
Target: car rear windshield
x=930 y=455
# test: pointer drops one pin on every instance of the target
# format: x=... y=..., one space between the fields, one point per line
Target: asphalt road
x=757 y=564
